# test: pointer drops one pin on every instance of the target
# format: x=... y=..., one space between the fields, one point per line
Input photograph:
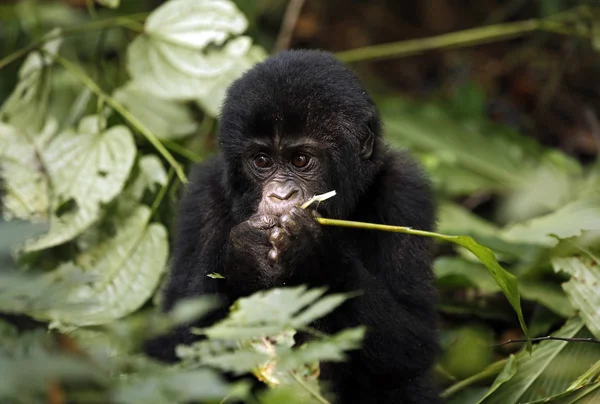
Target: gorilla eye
x=263 y=161
x=300 y=161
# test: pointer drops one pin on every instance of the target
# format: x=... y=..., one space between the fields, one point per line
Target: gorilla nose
x=284 y=194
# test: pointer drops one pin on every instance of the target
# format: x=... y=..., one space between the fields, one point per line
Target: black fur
x=311 y=94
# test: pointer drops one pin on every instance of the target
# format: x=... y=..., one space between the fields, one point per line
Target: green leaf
x=168 y=119
x=588 y=394
x=469 y=143
x=87 y=169
x=547 y=294
x=25 y=183
x=171 y=386
x=247 y=318
x=550 y=369
x=186 y=52
x=458 y=272
x=505 y=280
x=27 y=106
x=508 y=372
x=330 y=348
x=571 y=220
x=195 y=24
x=583 y=289
x=126 y=269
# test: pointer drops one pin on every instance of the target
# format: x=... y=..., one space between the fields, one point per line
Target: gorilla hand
x=246 y=262
x=295 y=239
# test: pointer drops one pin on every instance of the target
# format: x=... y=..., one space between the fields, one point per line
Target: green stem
x=493 y=370
x=382 y=227
x=124 y=21
x=469 y=37
x=117 y=106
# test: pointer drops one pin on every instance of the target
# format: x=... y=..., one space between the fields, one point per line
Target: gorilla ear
x=366 y=147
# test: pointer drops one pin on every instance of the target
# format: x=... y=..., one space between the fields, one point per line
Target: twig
x=459 y=39
x=549 y=338
x=292 y=12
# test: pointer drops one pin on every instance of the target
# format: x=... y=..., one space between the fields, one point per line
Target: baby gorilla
x=297 y=125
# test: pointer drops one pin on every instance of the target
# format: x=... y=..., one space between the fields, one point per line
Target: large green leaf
x=168 y=119
x=27 y=106
x=583 y=289
x=87 y=168
x=550 y=369
x=190 y=51
x=126 y=270
x=25 y=183
x=571 y=220
x=469 y=143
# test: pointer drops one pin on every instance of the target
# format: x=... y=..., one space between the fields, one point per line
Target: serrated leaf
x=317 y=310
x=168 y=119
x=571 y=220
x=550 y=369
x=25 y=183
x=27 y=106
x=583 y=289
x=126 y=270
x=330 y=348
x=87 y=168
x=247 y=319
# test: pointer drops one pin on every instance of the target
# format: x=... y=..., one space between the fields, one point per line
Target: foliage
x=90 y=149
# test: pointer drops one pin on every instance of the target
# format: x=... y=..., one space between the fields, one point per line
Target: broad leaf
x=469 y=143
x=190 y=50
x=168 y=119
x=571 y=220
x=583 y=289
x=87 y=168
x=25 y=183
x=126 y=270
x=27 y=106
x=550 y=369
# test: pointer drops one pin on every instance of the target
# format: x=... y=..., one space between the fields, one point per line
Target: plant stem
x=382 y=227
x=469 y=37
x=491 y=371
x=123 y=21
x=117 y=106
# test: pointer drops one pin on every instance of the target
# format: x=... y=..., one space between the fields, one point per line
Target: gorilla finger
x=263 y=221
x=276 y=236
x=273 y=256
